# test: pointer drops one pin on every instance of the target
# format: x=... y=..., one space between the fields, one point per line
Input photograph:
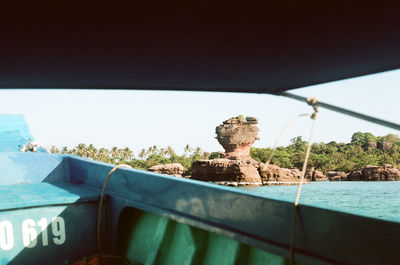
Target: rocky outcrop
x=369 y=146
x=273 y=173
x=355 y=176
x=237 y=135
x=236 y=167
x=227 y=170
x=386 y=172
x=336 y=175
x=247 y=172
x=375 y=173
x=296 y=173
x=174 y=169
x=385 y=146
x=315 y=175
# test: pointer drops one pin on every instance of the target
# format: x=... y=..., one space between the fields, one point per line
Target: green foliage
x=214 y=155
x=146 y=157
x=333 y=156
x=241 y=118
x=324 y=156
x=360 y=138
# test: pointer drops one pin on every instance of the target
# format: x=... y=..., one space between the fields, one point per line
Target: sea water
x=377 y=199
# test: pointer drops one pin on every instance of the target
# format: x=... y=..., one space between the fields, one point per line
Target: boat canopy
x=233 y=46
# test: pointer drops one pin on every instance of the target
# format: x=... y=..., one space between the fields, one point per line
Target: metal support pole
x=346 y=112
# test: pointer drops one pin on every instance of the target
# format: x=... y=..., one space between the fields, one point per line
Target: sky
x=140 y=119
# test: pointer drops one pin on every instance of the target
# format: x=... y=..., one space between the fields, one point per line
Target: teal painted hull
x=148 y=217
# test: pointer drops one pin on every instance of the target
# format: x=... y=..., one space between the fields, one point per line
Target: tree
x=127 y=154
x=103 y=155
x=170 y=152
x=64 y=150
x=187 y=149
x=143 y=153
x=361 y=138
x=54 y=150
x=331 y=156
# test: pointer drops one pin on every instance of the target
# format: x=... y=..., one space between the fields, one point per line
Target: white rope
x=280 y=135
x=303 y=172
x=101 y=255
x=313 y=102
x=103 y=191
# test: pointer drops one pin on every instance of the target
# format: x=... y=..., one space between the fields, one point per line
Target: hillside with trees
x=364 y=149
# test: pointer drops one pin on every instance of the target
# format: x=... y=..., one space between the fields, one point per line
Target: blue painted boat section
x=14 y=133
x=68 y=187
x=42 y=194
x=22 y=168
x=56 y=234
x=11 y=141
x=40 y=204
x=15 y=122
x=321 y=235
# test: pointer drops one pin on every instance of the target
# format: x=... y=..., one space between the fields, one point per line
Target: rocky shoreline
x=265 y=183
x=369 y=173
x=229 y=173
x=235 y=167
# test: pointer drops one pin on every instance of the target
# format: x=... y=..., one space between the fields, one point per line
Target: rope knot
x=313 y=102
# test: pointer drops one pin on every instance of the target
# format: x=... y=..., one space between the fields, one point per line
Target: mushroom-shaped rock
x=237 y=135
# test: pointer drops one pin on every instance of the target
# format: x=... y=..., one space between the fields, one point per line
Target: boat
x=52 y=208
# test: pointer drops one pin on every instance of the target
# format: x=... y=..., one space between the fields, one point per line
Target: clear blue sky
x=139 y=119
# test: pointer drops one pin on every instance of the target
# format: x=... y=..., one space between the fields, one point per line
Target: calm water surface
x=375 y=199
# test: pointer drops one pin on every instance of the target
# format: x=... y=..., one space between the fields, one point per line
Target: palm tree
x=163 y=151
x=187 y=149
x=143 y=153
x=103 y=155
x=196 y=153
x=91 y=151
x=170 y=152
x=80 y=150
x=153 y=150
x=115 y=154
x=54 y=150
x=127 y=154
x=64 y=150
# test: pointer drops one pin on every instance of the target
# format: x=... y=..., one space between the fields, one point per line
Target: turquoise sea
x=368 y=198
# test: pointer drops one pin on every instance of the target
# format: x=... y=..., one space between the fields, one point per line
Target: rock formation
x=237 y=136
x=386 y=172
x=273 y=173
x=236 y=167
x=315 y=175
x=375 y=173
x=369 y=146
x=296 y=173
x=226 y=170
x=336 y=175
x=174 y=169
x=385 y=146
x=354 y=175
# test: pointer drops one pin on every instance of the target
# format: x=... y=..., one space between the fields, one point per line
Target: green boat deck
x=148 y=239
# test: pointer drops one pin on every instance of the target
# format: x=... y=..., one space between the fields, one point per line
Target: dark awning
x=246 y=46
